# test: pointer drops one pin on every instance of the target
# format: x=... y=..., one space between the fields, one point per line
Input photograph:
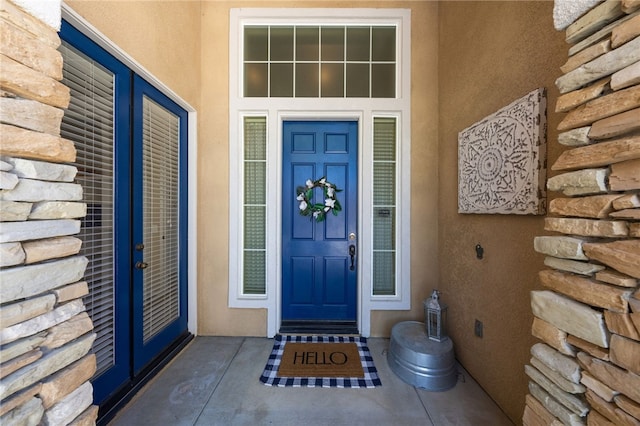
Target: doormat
x=320 y=361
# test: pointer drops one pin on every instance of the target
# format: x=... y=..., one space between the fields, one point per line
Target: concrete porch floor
x=215 y=381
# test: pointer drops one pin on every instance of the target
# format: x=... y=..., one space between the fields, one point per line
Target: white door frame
x=277 y=110
x=316 y=116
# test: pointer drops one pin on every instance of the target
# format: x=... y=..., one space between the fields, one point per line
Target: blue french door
x=159 y=222
x=131 y=143
x=319 y=258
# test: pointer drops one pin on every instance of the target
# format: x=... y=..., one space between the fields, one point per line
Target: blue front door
x=319 y=258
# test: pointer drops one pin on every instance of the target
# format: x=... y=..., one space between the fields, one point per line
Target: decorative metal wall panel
x=502 y=160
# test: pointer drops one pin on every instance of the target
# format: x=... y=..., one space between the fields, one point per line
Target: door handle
x=141 y=265
x=352 y=253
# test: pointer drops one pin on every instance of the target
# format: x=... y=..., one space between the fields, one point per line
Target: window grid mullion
x=294 y=61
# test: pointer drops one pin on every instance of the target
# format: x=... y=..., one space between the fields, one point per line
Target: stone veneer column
x=45 y=333
x=586 y=369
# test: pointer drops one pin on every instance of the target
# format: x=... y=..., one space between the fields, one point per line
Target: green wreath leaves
x=318 y=211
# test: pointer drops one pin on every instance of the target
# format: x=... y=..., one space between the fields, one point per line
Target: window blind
x=384 y=206
x=160 y=163
x=89 y=123
x=255 y=207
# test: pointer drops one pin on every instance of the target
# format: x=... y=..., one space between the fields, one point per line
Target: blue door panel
x=336 y=144
x=303 y=277
x=300 y=224
x=303 y=143
x=336 y=227
x=318 y=283
x=335 y=292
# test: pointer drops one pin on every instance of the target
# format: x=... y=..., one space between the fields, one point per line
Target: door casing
x=275 y=319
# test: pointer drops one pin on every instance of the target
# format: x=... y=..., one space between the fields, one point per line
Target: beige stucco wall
x=162 y=36
x=492 y=53
x=424 y=165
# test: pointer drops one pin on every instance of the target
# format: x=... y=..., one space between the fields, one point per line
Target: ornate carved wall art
x=501 y=160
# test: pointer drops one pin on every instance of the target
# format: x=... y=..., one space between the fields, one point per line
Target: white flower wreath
x=318 y=211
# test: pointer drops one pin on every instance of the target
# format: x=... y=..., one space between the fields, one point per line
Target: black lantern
x=435 y=318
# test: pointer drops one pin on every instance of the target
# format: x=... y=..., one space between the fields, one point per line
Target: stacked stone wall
x=586 y=367
x=45 y=333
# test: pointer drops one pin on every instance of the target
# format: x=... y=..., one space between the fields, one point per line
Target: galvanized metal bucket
x=419 y=361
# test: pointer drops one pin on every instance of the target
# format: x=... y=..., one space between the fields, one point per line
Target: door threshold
x=319 y=327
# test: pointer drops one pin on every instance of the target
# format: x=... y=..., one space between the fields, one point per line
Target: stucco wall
x=424 y=166
x=491 y=53
x=162 y=36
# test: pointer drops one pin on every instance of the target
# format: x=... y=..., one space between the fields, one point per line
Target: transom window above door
x=309 y=61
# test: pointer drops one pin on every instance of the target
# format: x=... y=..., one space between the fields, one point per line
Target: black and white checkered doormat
x=370 y=380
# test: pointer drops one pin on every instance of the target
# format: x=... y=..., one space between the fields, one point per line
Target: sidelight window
x=255 y=206
x=384 y=206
